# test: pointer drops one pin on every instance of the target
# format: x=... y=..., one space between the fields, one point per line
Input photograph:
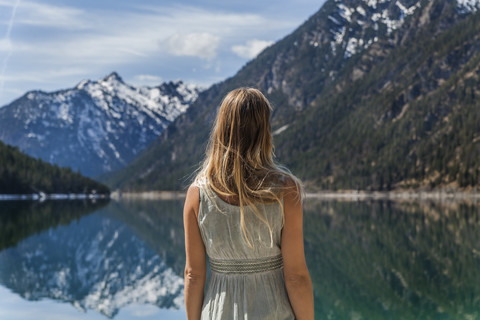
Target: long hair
x=239 y=158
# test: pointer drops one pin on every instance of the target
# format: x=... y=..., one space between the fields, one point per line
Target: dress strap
x=244 y=266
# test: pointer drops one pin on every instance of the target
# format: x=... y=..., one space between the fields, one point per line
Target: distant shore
x=351 y=195
x=149 y=195
x=52 y=196
x=395 y=195
x=347 y=195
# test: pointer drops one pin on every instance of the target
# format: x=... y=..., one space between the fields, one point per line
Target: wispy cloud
x=5 y=45
x=85 y=41
x=203 y=45
x=126 y=34
x=41 y=76
x=8 y=45
x=147 y=79
x=46 y=15
x=251 y=49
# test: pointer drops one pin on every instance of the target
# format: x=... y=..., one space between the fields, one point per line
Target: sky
x=54 y=44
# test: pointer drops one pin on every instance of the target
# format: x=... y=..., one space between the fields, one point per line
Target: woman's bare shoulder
x=193 y=189
x=292 y=189
x=192 y=200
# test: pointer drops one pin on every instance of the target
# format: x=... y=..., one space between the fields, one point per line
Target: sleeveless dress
x=245 y=283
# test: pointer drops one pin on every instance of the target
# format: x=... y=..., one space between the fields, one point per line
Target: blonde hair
x=239 y=158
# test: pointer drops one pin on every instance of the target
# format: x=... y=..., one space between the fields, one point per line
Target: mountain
x=96 y=127
x=374 y=95
x=21 y=174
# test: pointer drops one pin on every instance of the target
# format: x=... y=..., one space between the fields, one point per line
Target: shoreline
x=52 y=196
x=148 y=195
x=348 y=195
x=345 y=195
x=395 y=195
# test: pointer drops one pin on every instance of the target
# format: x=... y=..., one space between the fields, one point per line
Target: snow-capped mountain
x=354 y=28
x=96 y=127
x=96 y=263
x=351 y=87
x=354 y=25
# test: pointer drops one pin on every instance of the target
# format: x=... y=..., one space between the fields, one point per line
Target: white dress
x=245 y=283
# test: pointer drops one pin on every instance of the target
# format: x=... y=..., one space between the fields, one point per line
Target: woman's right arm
x=297 y=278
x=195 y=266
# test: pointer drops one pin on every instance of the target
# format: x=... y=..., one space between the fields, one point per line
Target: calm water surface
x=124 y=260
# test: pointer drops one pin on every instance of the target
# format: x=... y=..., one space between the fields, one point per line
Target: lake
x=369 y=259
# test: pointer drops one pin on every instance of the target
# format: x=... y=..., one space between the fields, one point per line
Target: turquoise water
x=124 y=260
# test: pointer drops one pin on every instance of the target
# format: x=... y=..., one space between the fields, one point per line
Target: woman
x=245 y=212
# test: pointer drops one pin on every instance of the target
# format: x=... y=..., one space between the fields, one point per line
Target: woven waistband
x=247 y=265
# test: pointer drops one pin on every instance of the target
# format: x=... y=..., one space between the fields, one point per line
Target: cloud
x=40 y=14
x=147 y=80
x=8 y=45
x=42 y=76
x=101 y=38
x=202 y=45
x=251 y=49
x=84 y=41
x=7 y=3
x=5 y=45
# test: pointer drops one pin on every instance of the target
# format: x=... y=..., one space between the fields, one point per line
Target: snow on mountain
x=96 y=127
x=468 y=6
x=350 y=20
x=97 y=263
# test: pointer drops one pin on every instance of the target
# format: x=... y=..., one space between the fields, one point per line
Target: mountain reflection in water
x=367 y=259
x=394 y=260
x=97 y=261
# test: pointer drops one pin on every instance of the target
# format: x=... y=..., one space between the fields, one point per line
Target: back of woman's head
x=239 y=159
x=241 y=134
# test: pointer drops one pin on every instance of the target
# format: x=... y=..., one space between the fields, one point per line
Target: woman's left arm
x=195 y=266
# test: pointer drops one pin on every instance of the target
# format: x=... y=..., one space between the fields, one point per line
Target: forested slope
x=21 y=174
x=367 y=96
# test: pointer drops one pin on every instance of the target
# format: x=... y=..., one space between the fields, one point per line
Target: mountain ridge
x=393 y=119
x=96 y=126
x=350 y=120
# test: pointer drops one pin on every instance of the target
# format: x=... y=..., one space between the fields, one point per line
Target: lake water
x=125 y=259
